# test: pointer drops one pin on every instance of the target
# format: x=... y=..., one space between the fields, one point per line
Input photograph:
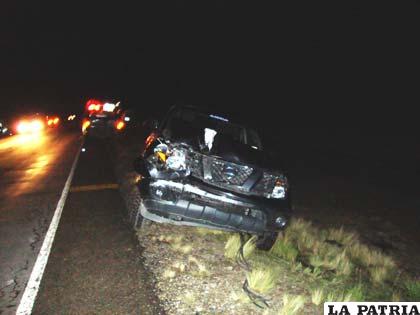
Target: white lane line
x=28 y=299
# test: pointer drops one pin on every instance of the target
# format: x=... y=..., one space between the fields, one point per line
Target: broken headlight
x=172 y=158
x=280 y=188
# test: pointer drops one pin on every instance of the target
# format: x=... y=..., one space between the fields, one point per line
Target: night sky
x=329 y=64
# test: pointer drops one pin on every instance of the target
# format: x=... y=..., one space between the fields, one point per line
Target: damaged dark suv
x=200 y=169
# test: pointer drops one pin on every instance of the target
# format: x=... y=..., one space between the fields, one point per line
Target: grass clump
x=353 y=294
x=353 y=271
x=283 y=248
x=318 y=296
x=378 y=274
x=232 y=246
x=413 y=291
x=262 y=280
x=292 y=304
x=249 y=247
x=341 y=237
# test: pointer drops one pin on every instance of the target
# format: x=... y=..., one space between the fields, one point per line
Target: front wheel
x=266 y=241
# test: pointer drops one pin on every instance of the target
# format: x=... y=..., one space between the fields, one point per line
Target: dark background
x=307 y=65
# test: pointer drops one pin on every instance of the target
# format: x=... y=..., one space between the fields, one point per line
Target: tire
x=266 y=241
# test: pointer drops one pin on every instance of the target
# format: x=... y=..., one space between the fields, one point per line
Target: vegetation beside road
x=197 y=271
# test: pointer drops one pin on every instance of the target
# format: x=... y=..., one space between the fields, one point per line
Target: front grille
x=228 y=175
x=219 y=172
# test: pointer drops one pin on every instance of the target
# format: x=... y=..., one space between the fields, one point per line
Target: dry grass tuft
x=283 y=248
x=292 y=304
x=378 y=274
x=354 y=294
x=262 y=280
x=318 y=296
x=232 y=246
x=249 y=247
x=341 y=236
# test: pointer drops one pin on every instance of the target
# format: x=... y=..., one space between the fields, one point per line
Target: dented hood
x=228 y=149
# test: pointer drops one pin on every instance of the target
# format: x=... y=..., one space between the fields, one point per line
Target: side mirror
x=140 y=167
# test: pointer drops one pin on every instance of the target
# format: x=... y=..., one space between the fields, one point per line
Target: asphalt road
x=94 y=266
x=33 y=170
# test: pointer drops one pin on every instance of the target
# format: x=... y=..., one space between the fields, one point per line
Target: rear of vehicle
x=53 y=121
x=102 y=119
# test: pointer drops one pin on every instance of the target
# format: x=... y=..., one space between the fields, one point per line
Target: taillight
x=53 y=121
x=85 y=125
x=120 y=125
x=94 y=105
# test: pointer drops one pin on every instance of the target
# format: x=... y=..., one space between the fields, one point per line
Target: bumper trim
x=183 y=203
x=159 y=219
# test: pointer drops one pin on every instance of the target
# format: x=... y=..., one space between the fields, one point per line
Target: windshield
x=186 y=121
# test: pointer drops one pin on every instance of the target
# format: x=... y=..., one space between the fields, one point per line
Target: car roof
x=217 y=113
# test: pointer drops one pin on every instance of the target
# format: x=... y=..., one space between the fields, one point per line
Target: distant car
x=31 y=124
x=5 y=129
x=201 y=169
x=52 y=121
x=102 y=119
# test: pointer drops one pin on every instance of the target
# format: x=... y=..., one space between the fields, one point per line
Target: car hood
x=228 y=149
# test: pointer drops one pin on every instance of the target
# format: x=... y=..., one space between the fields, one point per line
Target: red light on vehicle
x=56 y=120
x=85 y=125
x=120 y=125
x=150 y=139
x=50 y=122
x=94 y=105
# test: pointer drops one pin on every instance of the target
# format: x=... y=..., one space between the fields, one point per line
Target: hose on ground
x=240 y=258
x=257 y=299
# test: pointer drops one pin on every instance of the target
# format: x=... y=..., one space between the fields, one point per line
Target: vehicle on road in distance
x=5 y=129
x=31 y=124
x=102 y=119
x=201 y=169
x=53 y=121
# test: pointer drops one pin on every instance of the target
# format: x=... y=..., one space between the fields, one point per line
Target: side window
x=166 y=125
x=253 y=139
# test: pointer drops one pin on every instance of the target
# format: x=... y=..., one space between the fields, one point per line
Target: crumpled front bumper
x=191 y=202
